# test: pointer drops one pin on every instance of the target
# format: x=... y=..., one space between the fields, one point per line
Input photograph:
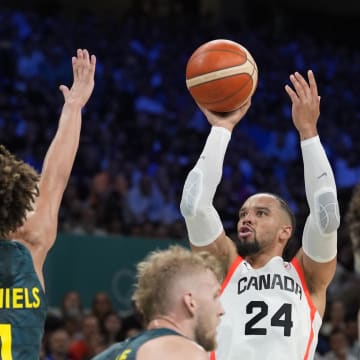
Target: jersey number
x=124 y=355
x=281 y=318
x=5 y=338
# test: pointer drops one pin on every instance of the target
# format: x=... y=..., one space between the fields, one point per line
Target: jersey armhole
x=313 y=309
x=301 y=275
x=230 y=272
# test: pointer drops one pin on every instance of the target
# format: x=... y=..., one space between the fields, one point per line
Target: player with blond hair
x=177 y=292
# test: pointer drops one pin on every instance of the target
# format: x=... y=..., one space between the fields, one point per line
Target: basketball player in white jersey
x=273 y=308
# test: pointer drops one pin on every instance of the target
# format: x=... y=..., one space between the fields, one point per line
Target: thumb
x=64 y=89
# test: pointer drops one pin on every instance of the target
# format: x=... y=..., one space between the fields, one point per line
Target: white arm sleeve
x=320 y=233
x=202 y=220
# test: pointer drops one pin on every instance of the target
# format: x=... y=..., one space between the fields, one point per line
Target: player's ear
x=189 y=302
x=285 y=234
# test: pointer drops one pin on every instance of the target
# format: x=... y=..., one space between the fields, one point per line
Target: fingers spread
x=64 y=89
x=85 y=65
x=300 y=85
x=92 y=63
x=292 y=94
x=75 y=67
x=312 y=82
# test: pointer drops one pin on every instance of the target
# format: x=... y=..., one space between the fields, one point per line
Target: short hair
x=160 y=269
x=18 y=190
x=284 y=206
x=291 y=246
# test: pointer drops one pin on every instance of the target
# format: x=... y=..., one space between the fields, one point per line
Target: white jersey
x=268 y=313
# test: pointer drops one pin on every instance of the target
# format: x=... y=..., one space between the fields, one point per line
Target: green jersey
x=126 y=350
x=22 y=304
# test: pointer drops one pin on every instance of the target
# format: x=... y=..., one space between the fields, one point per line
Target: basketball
x=221 y=75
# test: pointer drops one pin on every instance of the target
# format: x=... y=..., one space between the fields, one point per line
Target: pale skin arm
x=40 y=228
x=223 y=247
x=305 y=113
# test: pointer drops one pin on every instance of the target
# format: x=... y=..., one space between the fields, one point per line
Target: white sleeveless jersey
x=268 y=313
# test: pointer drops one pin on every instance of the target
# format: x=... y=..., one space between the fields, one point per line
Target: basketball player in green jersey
x=177 y=292
x=29 y=205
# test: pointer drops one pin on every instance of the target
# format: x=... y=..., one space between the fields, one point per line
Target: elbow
x=191 y=209
x=191 y=194
x=327 y=212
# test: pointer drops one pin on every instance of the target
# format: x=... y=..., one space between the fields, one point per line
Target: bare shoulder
x=38 y=236
x=37 y=233
x=171 y=347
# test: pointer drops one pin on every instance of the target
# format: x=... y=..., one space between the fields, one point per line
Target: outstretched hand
x=305 y=104
x=83 y=70
x=227 y=120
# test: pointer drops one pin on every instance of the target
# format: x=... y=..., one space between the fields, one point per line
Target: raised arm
x=203 y=223
x=39 y=231
x=319 y=242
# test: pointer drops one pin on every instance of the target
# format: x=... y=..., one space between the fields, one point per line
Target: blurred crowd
x=142 y=133
x=75 y=333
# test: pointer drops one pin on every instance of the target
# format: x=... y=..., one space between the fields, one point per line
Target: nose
x=246 y=219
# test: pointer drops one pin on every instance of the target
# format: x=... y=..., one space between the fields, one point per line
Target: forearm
x=319 y=238
x=202 y=220
x=61 y=154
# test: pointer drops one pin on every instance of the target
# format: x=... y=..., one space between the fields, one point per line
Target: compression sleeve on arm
x=320 y=233
x=202 y=220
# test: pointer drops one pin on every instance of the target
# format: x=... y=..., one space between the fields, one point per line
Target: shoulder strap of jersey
x=130 y=346
x=230 y=272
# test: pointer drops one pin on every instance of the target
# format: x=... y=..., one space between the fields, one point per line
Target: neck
x=165 y=322
x=259 y=260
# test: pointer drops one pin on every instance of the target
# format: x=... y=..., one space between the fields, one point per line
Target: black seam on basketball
x=227 y=97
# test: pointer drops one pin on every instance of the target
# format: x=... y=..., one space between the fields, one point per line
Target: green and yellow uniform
x=126 y=350
x=22 y=304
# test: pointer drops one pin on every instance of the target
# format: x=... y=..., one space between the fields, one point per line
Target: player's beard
x=203 y=337
x=247 y=248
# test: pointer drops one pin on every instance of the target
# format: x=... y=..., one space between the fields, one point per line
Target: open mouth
x=245 y=231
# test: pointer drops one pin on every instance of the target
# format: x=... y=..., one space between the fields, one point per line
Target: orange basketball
x=221 y=75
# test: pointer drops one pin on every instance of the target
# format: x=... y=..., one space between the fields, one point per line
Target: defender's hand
x=83 y=84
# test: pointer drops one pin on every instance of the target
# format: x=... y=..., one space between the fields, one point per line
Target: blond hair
x=160 y=269
x=18 y=189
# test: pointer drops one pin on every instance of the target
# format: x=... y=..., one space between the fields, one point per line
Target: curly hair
x=162 y=268
x=352 y=218
x=18 y=190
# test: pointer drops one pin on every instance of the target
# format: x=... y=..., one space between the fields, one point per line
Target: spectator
x=59 y=345
x=83 y=348
x=339 y=346
x=101 y=306
x=112 y=328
